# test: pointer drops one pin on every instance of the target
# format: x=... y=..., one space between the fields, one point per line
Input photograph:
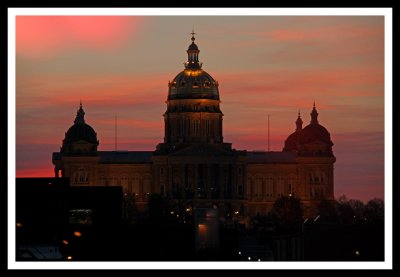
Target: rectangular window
x=269 y=187
x=136 y=186
x=280 y=187
x=81 y=176
x=258 y=188
x=81 y=216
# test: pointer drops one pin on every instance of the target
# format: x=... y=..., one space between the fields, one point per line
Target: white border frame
x=386 y=12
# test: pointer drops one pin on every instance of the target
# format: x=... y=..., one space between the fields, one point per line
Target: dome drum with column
x=193 y=166
x=193 y=82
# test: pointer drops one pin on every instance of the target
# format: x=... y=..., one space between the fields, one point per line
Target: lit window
x=81 y=216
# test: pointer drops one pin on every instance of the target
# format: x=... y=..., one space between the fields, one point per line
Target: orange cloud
x=38 y=172
x=46 y=36
x=293 y=35
x=320 y=33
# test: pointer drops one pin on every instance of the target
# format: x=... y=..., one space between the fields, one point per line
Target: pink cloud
x=292 y=35
x=330 y=33
x=46 y=36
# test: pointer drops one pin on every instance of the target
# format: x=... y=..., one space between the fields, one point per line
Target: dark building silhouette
x=51 y=217
x=195 y=166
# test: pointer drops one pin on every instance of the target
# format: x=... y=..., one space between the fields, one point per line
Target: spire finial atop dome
x=193 y=33
x=314 y=115
x=299 y=123
x=193 y=54
x=80 y=115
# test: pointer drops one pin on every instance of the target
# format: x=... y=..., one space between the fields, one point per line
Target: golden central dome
x=193 y=82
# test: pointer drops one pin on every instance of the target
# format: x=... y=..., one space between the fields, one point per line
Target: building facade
x=193 y=165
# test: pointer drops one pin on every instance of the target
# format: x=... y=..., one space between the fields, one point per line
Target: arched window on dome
x=269 y=187
x=124 y=183
x=207 y=84
x=258 y=191
x=103 y=180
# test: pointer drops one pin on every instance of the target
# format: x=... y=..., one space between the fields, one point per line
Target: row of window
x=206 y=84
x=188 y=127
x=189 y=171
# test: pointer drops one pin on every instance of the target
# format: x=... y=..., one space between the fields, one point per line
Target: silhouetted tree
x=327 y=210
x=158 y=208
x=375 y=211
x=287 y=213
x=344 y=210
x=130 y=210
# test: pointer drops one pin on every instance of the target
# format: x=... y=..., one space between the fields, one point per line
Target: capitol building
x=195 y=166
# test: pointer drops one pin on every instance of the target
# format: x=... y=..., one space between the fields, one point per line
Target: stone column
x=195 y=180
x=221 y=181
x=169 y=184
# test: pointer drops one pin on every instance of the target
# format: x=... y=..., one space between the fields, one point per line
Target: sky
x=265 y=65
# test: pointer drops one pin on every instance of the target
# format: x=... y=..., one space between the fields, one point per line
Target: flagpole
x=115 y=132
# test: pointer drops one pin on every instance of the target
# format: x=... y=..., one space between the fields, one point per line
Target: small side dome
x=312 y=140
x=193 y=82
x=80 y=137
x=80 y=132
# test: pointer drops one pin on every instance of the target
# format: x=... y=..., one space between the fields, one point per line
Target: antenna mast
x=268 y=133
x=115 y=132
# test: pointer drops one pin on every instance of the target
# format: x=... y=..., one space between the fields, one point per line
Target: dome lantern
x=193 y=54
x=80 y=138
